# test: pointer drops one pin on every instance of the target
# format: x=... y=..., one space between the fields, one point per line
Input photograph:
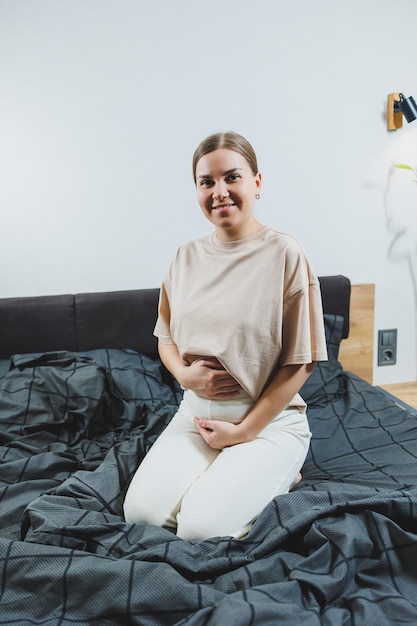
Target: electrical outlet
x=387 y=347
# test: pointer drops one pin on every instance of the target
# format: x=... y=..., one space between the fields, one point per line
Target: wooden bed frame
x=357 y=351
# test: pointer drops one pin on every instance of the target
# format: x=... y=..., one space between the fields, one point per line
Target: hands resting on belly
x=208 y=377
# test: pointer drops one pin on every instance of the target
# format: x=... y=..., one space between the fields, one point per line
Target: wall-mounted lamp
x=398 y=106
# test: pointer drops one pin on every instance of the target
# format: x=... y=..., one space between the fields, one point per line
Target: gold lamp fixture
x=398 y=106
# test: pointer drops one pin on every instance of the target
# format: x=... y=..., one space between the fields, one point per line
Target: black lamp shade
x=409 y=108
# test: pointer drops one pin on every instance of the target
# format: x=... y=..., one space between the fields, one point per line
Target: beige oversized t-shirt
x=254 y=304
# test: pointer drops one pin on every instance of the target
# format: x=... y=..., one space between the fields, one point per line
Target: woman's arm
x=275 y=398
x=205 y=376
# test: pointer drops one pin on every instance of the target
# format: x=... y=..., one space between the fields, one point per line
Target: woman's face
x=226 y=190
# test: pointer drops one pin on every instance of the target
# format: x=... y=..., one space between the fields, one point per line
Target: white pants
x=182 y=483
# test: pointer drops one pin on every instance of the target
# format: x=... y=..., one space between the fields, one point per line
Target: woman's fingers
x=215 y=380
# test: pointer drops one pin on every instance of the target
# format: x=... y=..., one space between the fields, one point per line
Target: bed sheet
x=340 y=549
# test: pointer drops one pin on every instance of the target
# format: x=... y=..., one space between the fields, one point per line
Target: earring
x=257 y=196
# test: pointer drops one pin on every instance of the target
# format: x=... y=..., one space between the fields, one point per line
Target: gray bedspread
x=339 y=550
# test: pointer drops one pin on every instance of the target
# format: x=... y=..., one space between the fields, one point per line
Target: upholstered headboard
x=117 y=319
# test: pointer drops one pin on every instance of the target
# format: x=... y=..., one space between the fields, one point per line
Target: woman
x=240 y=327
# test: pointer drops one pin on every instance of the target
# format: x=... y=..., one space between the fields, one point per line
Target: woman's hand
x=205 y=376
x=217 y=434
x=208 y=377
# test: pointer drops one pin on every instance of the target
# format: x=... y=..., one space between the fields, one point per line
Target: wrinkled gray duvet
x=339 y=550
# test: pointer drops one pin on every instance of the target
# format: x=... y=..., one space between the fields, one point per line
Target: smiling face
x=226 y=191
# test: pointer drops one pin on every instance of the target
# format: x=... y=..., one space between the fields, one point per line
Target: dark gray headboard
x=115 y=319
x=335 y=294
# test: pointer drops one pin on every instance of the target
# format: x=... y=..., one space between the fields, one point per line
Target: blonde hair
x=230 y=141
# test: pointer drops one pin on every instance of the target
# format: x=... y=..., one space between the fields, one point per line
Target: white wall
x=103 y=102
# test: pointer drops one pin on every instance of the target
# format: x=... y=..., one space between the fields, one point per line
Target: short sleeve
x=162 y=326
x=303 y=334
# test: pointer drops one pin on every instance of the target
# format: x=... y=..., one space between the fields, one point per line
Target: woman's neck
x=235 y=234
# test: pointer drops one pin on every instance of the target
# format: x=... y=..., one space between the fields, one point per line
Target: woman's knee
x=140 y=510
x=133 y=512
x=195 y=527
x=198 y=524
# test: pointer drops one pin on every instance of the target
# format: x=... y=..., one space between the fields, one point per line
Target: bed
x=82 y=398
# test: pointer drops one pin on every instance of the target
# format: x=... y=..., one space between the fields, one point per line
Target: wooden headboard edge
x=357 y=351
